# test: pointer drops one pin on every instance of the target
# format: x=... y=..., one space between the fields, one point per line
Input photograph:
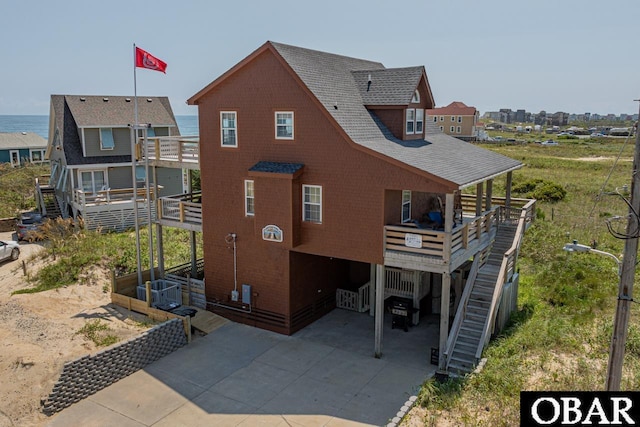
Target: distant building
x=560 y=119
x=456 y=119
x=22 y=147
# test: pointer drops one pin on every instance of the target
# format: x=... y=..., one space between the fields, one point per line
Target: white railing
x=162 y=292
x=174 y=149
x=184 y=208
x=119 y=195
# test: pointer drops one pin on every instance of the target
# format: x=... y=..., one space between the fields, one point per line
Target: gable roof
x=21 y=140
x=389 y=86
x=336 y=83
x=71 y=113
x=455 y=108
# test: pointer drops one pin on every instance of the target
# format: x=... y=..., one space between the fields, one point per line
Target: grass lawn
x=559 y=337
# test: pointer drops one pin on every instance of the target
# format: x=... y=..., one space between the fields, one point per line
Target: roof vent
x=127 y=99
x=149 y=99
x=368 y=82
x=105 y=99
x=82 y=99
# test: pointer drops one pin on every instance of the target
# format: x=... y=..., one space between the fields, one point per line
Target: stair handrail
x=462 y=309
x=510 y=254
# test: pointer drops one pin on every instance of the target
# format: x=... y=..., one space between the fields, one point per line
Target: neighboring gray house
x=89 y=149
x=19 y=148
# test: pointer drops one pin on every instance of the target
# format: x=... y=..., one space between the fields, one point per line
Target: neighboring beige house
x=456 y=119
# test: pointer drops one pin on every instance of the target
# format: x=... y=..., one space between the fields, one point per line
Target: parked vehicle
x=9 y=250
x=549 y=142
x=28 y=224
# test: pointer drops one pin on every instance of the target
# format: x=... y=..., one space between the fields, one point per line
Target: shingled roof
x=338 y=81
x=21 y=140
x=455 y=108
x=77 y=111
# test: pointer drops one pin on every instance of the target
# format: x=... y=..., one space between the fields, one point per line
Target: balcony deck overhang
x=173 y=152
x=410 y=247
x=181 y=211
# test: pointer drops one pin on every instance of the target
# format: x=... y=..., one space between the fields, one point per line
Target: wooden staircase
x=463 y=358
x=49 y=202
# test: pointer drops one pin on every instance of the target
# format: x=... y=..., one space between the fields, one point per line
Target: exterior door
x=15 y=157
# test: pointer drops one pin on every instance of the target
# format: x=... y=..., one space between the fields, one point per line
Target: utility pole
x=627 y=276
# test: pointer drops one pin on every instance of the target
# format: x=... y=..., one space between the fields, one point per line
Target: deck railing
x=433 y=243
x=84 y=198
x=507 y=269
x=119 y=195
x=183 y=149
x=183 y=208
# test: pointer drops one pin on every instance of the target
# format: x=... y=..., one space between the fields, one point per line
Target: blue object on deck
x=436 y=217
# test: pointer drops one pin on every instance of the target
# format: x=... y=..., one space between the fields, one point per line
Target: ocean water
x=188 y=125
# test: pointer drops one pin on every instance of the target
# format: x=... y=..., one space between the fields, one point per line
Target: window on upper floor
x=249 y=198
x=435 y=119
x=419 y=120
x=106 y=139
x=442 y=118
x=406 y=205
x=312 y=203
x=410 y=122
x=453 y=118
x=284 y=125
x=459 y=119
x=416 y=97
x=228 y=129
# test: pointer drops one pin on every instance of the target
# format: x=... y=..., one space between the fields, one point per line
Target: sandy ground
x=38 y=333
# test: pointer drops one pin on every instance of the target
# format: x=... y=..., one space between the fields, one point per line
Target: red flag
x=146 y=60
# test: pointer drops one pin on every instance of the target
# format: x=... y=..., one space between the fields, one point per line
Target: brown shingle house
x=320 y=175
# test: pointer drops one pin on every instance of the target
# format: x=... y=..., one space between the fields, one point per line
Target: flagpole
x=134 y=137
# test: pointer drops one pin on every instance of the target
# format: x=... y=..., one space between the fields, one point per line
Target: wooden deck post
x=489 y=194
x=379 y=319
x=148 y=292
x=372 y=290
x=479 y=187
x=507 y=201
x=444 y=318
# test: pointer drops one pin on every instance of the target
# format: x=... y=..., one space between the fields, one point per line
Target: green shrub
x=541 y=190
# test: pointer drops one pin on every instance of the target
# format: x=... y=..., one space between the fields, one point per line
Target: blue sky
x=567 y=55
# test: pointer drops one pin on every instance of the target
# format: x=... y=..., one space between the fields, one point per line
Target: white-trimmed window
x=284 y=124
x=228 y=129
x=416 y=97
x=459 y=119
x=441 y=128
x=458 y=129
x=435 y=119
x=442 y=118
x=37 y=155
x=411 y=118
x=249 y=198
x=452 y=129
x=419 y=120
x=312 y=203
x=92 y=181
x=453 y=118
x=406 y=205
x=106 y=139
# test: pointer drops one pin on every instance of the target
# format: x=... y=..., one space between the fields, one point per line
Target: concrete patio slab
x=325 y=375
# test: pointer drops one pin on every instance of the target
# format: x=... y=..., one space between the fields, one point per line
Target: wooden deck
x=174 y=152
x=182 y=211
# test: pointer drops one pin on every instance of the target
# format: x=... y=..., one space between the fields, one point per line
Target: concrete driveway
x=238 y=375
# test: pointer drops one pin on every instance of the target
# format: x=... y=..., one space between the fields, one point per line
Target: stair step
x=466 y=346
x=463 y=353
x=470 y=331
x=476 y=317
x=473 y=323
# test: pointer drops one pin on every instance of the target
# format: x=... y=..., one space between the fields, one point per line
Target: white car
x=9 y=250
x=549 y=142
